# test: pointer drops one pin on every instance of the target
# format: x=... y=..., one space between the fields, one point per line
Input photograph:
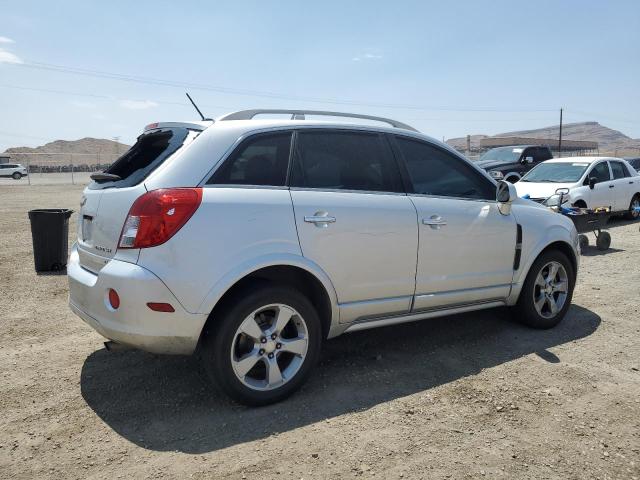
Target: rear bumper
x=133 y=323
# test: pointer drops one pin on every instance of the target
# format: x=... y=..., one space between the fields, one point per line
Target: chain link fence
x=58 y=168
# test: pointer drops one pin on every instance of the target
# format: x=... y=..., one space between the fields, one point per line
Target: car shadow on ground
x=164 y=403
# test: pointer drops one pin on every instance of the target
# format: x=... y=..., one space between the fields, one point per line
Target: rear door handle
x=434 y=221
x=611 y=186
x=320 y=219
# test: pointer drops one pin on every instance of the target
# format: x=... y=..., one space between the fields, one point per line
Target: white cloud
x=98 y=116
x=137 y=104
x=8 y=57
x=366 y=56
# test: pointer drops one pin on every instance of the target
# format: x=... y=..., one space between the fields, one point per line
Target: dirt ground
x=468 y=396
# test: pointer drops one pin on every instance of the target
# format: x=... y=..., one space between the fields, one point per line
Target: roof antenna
x=196 y=107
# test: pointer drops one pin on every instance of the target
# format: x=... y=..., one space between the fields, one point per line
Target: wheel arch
x=298 y=273
x=515 y=175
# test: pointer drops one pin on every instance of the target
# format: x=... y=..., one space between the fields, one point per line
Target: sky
x=74 y=69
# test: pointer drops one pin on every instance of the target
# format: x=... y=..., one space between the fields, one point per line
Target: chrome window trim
x=340 y=190
x=443 y=197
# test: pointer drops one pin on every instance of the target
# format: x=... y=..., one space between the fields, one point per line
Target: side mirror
x=528 y=160
x=592 y=182
x=505 y=195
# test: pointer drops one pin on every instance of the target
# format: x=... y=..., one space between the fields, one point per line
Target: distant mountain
x=89 y=150
x=609 y=140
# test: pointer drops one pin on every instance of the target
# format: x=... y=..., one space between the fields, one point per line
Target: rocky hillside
x=86 y=151
x=607 y=138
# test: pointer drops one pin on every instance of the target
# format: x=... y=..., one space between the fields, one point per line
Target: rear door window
x=345 y=160
x=259 y=160
x=619 y=170
x=149 y=152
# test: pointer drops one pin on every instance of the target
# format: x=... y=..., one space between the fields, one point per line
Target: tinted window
x=149 y=152
x=635 y=163
x=619 y=170
x=345 y=161
x=434 y=171
x=543 y=154
x=601 y=172
x=259 y=160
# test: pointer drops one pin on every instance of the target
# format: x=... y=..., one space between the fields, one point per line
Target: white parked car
x=253 y=241
x=592 y=182
x=13 y=170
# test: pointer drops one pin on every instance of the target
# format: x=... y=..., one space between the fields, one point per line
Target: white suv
x=253 y=241
x=13 y=170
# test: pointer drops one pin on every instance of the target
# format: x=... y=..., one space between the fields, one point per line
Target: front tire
x=17 y=175
x=547 y=291
x=263 y=345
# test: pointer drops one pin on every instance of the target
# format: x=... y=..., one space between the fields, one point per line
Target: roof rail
x=299 y=115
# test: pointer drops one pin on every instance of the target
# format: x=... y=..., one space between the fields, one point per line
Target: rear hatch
x=106 y=201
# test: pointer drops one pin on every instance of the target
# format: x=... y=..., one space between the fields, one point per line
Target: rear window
x=149 y=152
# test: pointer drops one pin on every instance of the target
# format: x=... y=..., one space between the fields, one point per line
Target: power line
x=263 y=94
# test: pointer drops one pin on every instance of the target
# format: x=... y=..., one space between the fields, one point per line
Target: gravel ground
x=467 y=396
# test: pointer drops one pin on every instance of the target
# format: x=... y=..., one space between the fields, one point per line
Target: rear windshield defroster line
x=149 y=152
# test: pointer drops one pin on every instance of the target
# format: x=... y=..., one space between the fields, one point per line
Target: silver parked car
x=13 y=170
x=253 y=241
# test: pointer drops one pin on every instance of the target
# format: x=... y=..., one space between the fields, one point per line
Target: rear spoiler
x=190 y=125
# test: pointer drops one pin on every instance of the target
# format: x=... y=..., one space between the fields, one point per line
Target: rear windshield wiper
x=104 y=177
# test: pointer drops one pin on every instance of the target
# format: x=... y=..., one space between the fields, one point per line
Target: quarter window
x=433 y=171
x=259 y=160
x=619 y=170
x=345 y=161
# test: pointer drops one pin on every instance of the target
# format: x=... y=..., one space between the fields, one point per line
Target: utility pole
x=560 y=136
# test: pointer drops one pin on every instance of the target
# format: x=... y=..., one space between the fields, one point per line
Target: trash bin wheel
x=584 y=240
x=603 y=242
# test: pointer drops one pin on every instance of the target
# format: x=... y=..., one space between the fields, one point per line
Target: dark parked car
x=634 y=162
x=511 y=163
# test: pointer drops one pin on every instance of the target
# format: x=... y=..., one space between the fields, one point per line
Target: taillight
x=156 y=216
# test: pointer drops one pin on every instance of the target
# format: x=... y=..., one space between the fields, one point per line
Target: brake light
x=157 y=216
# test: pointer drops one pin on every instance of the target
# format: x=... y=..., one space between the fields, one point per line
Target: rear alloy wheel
x=17 y=175
x=265 y=346
x=547 y=291
x=634 y=208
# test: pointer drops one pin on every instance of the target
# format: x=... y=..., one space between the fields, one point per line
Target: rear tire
x=632 y=213
x=546 y=296
x=17 y=175
x=262 y=346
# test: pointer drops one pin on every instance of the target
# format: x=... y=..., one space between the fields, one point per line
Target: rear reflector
x=160 y=307
x=157 y=216
x=114 y=299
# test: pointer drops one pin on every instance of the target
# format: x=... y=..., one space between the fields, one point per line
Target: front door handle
x=320 y=219
x=434 y=221
x=611 y=186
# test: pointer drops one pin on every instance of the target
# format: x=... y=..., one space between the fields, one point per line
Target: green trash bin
x=50 y=235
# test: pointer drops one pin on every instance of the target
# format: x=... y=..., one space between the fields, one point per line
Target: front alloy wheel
x=546 y=293
x=550 y=289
